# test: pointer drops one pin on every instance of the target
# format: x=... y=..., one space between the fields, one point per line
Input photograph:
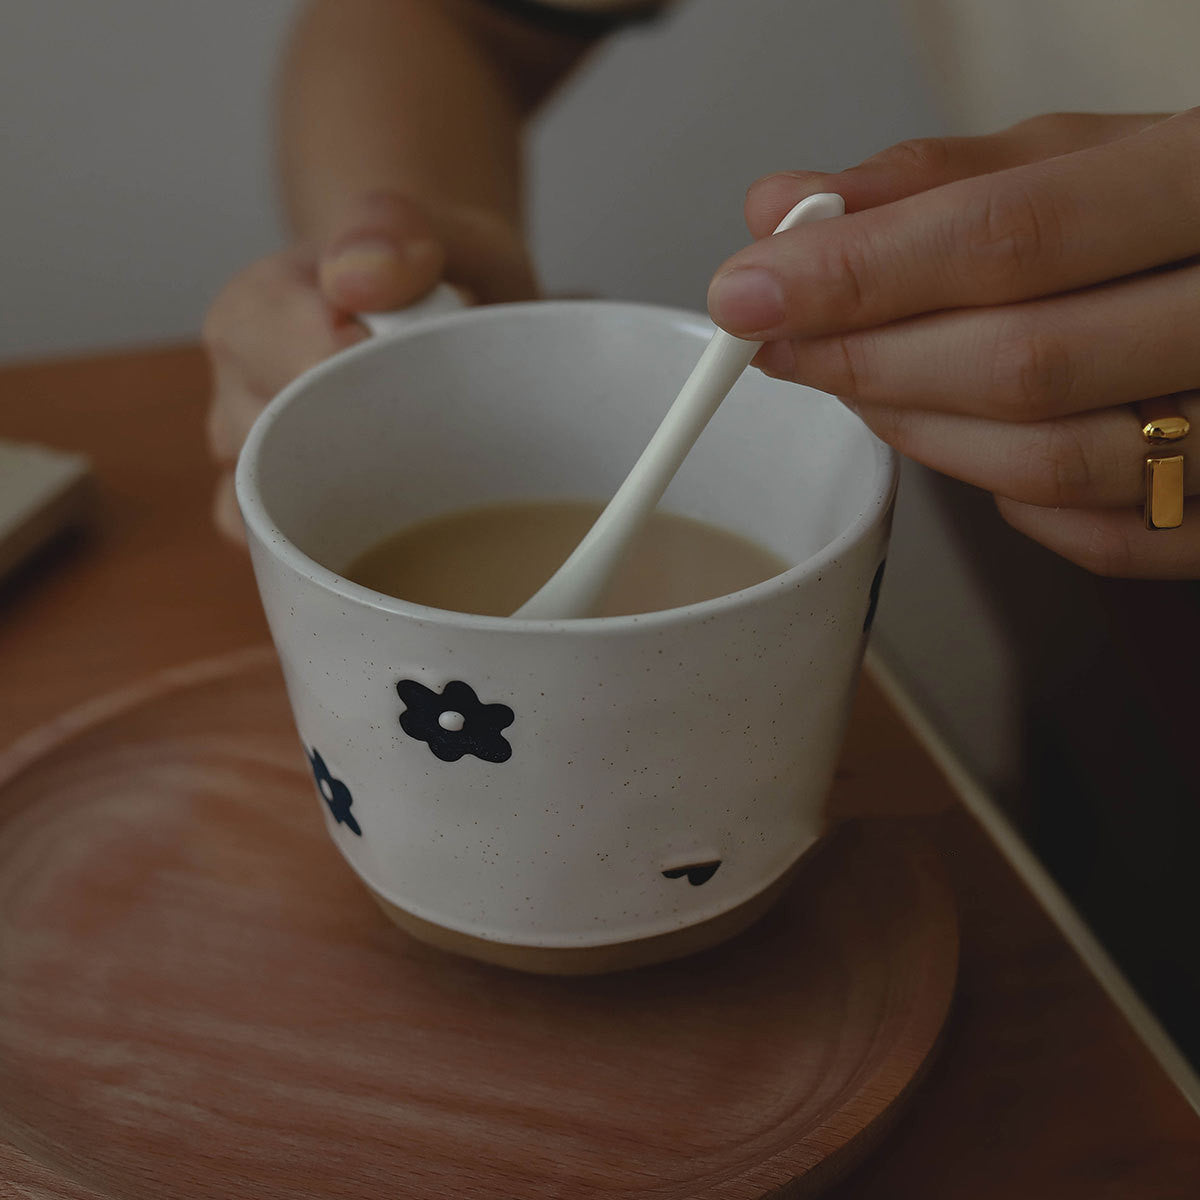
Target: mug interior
x=549 y=401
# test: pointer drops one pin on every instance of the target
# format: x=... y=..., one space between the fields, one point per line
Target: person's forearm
x=422 y=97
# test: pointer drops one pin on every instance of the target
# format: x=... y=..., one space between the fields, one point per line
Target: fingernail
x=368 y=259
x=746 y=300
x=776 y=358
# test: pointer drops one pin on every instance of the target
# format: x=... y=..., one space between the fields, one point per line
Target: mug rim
x=276 y=543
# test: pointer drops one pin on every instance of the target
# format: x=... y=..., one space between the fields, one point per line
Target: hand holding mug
x=290 y=310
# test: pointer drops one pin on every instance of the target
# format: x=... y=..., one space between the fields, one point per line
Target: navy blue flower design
x=876 y=584
x=697 y=873
x=454 y=722
x=334 y=792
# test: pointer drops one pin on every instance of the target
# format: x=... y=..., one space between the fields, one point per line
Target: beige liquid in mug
x=490 y=560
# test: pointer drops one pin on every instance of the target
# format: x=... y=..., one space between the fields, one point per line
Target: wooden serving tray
x=198 y=999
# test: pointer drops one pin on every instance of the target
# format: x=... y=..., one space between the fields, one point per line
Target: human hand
x=992 y=306
x=286 y=312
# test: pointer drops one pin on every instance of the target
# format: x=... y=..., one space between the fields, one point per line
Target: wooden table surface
x=1041 y=1088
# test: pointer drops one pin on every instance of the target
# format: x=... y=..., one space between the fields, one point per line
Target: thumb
x=384 y=255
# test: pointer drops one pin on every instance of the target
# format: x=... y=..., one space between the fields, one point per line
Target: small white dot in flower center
x=452 y=721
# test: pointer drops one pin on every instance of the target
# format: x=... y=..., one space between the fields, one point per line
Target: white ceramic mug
x=563 y=785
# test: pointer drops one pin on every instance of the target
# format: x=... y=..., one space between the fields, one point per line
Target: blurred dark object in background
x=1109 y=791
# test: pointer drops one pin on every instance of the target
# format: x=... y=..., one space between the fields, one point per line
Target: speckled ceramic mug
x=564 y=795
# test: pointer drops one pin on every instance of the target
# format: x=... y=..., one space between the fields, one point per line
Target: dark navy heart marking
x=697 y=873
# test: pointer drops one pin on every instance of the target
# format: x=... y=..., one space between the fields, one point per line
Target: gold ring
x=1163 y=425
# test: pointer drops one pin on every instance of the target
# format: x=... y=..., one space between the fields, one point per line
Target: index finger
x=1028 y=231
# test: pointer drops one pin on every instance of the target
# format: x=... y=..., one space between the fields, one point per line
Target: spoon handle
x=577 y=587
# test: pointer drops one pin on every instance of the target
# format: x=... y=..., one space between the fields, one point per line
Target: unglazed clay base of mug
x=596 y=960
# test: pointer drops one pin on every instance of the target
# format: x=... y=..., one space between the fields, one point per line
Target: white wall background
x=134 y=165
x=135 y=159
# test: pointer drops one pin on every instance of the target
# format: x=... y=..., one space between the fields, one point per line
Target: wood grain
x=199 y=999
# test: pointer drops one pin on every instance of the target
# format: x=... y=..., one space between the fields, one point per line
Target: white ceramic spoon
x=578 y=586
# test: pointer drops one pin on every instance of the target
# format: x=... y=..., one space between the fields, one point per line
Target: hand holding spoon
x=578 y=586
